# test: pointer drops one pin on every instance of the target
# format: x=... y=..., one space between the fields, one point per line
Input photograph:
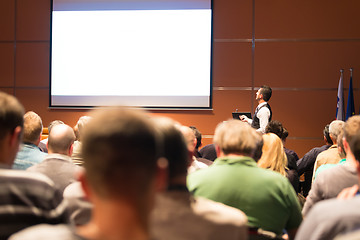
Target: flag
x=350 y=109
x=340 y=109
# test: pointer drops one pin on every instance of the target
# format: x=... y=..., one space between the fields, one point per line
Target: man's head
x=236 y=137
x=197 y=135
x=276 y=127
x=335 y=129
x=32 y=128
x=61 y=139
x=189 y=138
x=120 y=150
x=327 y=137
x=11 y=124
x=80 y=125
x=174 y=148
x=54 y=123
x=264 y=93
x=355 y=146
x=351 y=130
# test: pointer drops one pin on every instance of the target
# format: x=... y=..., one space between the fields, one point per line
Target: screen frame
x=210 y=104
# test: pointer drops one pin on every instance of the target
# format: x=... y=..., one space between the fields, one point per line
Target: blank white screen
x=151 y=58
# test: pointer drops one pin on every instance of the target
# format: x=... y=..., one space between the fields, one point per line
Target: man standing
x=26 y=198
x=263 y=113
x=266 y=197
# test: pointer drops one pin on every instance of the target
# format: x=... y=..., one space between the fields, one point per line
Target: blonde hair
x=273 y=156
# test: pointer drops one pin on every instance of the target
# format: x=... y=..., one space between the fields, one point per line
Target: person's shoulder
x=335 y=208
x=45 y=232
x=218 y=212
x=27 y=177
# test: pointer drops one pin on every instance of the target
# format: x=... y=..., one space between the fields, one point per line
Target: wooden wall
x=296 y=47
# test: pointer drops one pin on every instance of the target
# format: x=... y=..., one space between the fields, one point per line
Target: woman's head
x=273 y=156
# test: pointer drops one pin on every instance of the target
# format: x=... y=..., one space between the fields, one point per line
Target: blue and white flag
x=340 y=109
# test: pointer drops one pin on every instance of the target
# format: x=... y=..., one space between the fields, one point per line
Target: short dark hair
x=276 y=127
x=197 y=135
x=266 y=92
x=11 y=114
x=327 y=134
x=120 y=150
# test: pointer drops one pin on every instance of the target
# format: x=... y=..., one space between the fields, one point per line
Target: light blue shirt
x=28 y=155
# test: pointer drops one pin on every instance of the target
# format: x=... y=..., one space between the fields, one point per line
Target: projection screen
x=141 y=53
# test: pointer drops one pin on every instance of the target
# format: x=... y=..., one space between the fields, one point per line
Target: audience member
x=342 y=154
x=190 y=139
x=198 y=137
x=78 y=129
x=305 y=165
x=198 y=144
x=43 y=143
x=274 y=158
x=29 y=153
x=265 y=196
x=26 y=198
x=331 y=217
x=179 y=215
x=330 y=182
x=330 y=155
x=122 y=174
x=58 y=165
x=208 y=152
x=276 y=127
x=78 y=205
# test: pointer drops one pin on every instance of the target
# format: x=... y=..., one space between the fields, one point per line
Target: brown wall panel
x=232 y=19
x=304 y=64
x=232 y=64
x=304 y=113
x=299 y=50
x=7 y=90
x=7 y=20
x=6 y=64
x=32 y=65
x=37 y=100
x=33 y=20
x=307 y=19
x=225 y=102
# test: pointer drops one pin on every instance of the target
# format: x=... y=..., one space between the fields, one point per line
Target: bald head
x=61 y=139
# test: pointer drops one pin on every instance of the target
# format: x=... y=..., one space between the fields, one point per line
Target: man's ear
x=162 y=175
x=346 y=145
x=71 y=149
x=15 y=138
x=81 y=175
x=218 y=151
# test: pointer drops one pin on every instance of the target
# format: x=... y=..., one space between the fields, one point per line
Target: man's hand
x=243 y=118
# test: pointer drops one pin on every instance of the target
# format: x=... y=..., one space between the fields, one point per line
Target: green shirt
x=265 y=196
